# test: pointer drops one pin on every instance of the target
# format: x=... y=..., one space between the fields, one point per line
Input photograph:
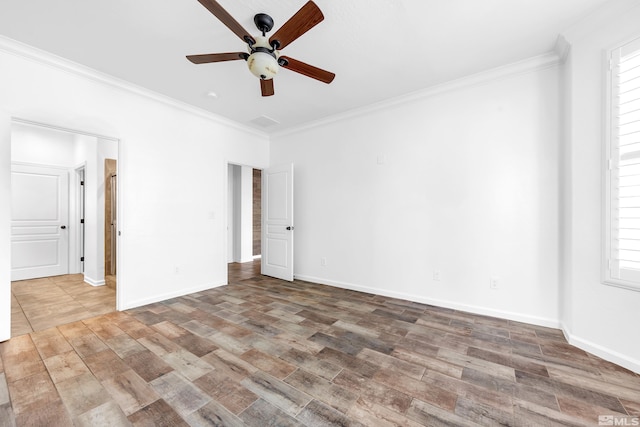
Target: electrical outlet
x=177 y=270
x=494 y=283
x=437 y=275
x=323 y=262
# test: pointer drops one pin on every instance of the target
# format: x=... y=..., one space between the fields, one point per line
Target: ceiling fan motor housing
x=263 y=59
x=264 y=22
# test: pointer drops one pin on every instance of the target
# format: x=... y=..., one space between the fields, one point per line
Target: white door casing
x=277 y=222
x=39 y=212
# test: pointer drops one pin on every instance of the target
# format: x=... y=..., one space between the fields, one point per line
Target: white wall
x=34 y=144
x=231 y=209
x=5 y=219
x=246 y=214
x=236 y=205
x=87 y=150
x=240 y=216
x=599 y=318
x=464 y=182
x=172 y=169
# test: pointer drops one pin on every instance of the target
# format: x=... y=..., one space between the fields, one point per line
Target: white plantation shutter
x=623 y=210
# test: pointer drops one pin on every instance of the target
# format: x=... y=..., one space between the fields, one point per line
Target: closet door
x=39 y=222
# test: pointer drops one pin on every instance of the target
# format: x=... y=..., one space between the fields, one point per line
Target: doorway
x=244 y=216
x=74 y=291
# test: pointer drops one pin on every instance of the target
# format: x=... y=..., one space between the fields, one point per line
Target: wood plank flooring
x=263 y=352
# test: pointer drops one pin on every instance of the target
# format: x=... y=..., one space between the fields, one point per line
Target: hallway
x=44 y=303
x=40 y=304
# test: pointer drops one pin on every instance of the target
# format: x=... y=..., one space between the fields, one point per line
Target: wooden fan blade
x=267 y=87
x=309 y=70
x=219 y=12
x=215 y=57
x=305 y=19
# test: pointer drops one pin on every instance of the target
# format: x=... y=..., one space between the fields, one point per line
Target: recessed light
x=212 y=94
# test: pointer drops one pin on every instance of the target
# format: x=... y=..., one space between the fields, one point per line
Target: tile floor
x=39 y=304
x=263 y=352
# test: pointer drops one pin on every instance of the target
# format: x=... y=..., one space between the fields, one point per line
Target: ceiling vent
x=264 y=121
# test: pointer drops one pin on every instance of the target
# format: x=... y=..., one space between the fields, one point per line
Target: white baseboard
x=163 y=297
x=586 y=345
x=518 y=317
x=602 y=352
x=94 y=282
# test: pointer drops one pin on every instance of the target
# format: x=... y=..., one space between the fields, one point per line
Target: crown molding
x=562 y=48
x=31 y=53
x=535 y=63
x=24 y=51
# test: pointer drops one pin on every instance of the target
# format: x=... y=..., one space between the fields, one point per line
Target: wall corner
x=562 y=48
x=5 y=226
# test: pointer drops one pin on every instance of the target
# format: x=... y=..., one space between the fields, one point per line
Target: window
x=622 y=246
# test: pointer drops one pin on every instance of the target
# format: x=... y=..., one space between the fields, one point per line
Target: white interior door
x=277 y=222
x=39 y=219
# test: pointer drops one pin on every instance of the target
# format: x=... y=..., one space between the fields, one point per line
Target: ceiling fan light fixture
x=263 y=65
x=263 y=61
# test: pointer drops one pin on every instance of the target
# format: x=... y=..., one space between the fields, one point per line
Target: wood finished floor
x=263 y=352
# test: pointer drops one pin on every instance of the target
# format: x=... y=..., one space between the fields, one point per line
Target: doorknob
x=63 y=227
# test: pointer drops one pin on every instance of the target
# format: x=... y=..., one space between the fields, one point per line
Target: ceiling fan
x=263 y=57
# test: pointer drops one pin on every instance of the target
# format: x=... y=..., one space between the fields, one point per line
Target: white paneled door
x=277 y=222
x=39 y=222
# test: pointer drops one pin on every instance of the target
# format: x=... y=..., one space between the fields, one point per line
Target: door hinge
x=82 y=221
x=81 y=182
x=610 y=64
x=82 y=258
x=610 y=164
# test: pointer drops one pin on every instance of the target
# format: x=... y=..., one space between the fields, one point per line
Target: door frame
x=78 y=218
x=121 y=277
x=227 y=209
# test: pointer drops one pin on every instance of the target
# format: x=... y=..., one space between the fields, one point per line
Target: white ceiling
x=379 y=49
